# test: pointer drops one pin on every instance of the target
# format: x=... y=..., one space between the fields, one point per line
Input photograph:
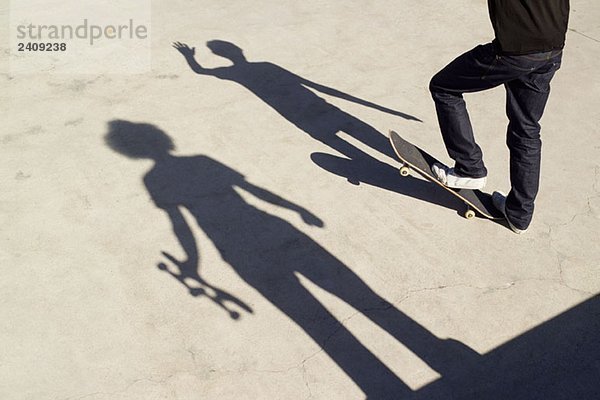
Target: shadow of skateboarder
x=288 y=94
x=269 y=254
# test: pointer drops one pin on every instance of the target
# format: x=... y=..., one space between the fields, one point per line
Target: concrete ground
x=267 y=257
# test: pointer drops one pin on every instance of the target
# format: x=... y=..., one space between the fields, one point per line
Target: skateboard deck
x=417 y=160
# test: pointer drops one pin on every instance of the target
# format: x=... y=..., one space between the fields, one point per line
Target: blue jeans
x=527 y=82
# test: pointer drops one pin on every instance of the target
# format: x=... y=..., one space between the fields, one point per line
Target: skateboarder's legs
x=526 y=99
x=527 y=81
x=470 y=72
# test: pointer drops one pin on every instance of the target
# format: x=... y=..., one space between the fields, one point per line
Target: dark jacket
x=529 y=26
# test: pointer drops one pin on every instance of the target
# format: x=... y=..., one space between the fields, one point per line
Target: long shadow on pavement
x=558 y=360
x=267 y=252
x=288 y=94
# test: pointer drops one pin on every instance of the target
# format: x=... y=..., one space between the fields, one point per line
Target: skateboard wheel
x=469 y=214
x=405 y=171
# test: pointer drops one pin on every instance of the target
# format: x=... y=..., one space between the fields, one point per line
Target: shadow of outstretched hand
x=184 y=49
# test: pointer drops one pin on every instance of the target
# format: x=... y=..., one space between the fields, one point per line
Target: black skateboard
x=417 y=160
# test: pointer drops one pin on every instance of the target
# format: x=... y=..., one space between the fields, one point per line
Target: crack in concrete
x=561 y=257
x=507 y=286
x=301 y=366
x=115 y=392
x=596 y=189
x=588 y=212
x=193 y=355
x=383 y=307
x=584 y=35
x=387 y=305
x=306 y=383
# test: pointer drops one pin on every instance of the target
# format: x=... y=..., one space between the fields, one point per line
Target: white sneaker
x=499 y=200
x=447 y=176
